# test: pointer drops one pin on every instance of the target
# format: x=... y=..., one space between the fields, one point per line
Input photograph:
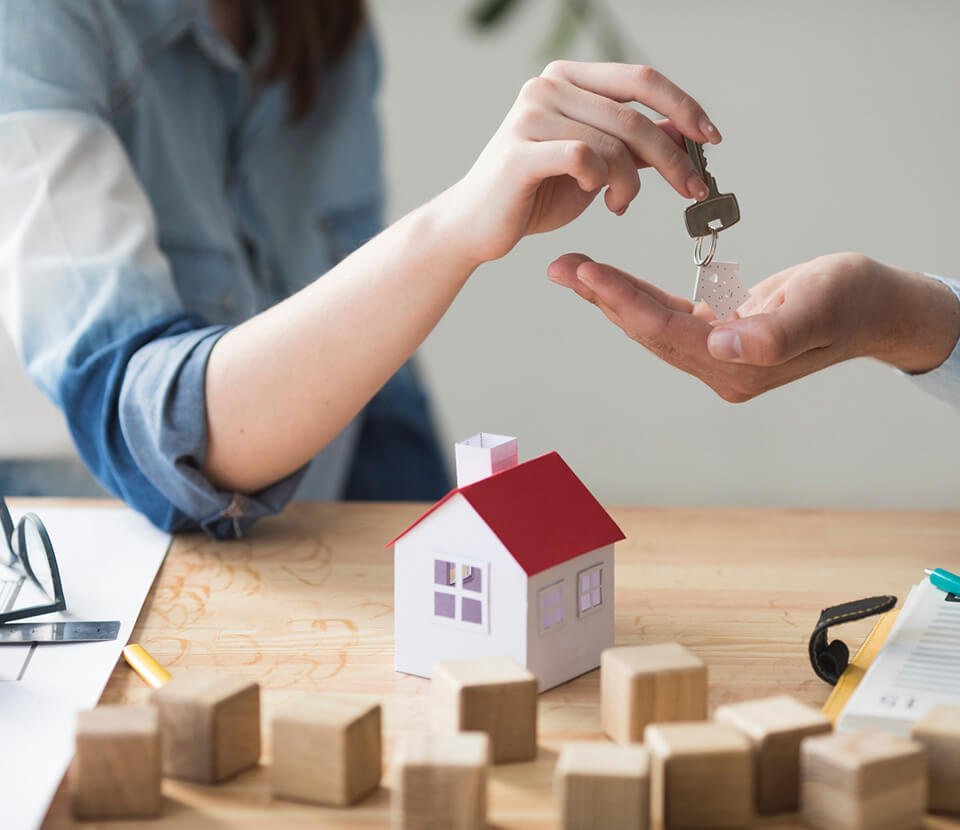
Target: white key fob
x=718 y=285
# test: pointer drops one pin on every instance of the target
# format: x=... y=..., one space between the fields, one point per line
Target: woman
x=176 y=174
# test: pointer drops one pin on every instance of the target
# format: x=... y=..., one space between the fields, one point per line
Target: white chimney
x=484 y=454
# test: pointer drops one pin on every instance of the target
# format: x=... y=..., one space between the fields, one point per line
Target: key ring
x=698 y=257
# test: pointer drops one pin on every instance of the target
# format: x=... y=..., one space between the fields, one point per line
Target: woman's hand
x=797 y=322
x=570 y=133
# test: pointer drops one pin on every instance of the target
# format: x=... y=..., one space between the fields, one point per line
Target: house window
x=551 y=607
x=590 y=589
x=459 y=592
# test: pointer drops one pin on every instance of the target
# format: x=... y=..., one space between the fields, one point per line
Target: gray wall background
x=840 y=125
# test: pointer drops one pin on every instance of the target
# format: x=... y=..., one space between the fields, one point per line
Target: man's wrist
x=921 y=321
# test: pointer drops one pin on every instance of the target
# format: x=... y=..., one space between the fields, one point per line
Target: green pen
x=944 y=580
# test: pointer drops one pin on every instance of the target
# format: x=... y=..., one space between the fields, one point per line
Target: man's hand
x=796 y=322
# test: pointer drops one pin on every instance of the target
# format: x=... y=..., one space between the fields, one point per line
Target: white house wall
x=556 y=656
x=455 y=530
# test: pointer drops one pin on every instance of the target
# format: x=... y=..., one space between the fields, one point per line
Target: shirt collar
x=173 y=19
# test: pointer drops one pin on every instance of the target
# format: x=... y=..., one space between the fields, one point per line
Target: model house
x=517 y=561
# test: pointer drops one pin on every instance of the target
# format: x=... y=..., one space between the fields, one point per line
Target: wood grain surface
x=305 y=604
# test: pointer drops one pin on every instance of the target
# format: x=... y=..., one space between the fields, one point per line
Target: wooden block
x=862 y=780
x=116 y=769
x=326 y=751
x=599 y=784
x=775 y=727
x=210 y=726
x=441 y=782
x=701 y=776
x=492 y=695
x=939 y=732
x=640 y=685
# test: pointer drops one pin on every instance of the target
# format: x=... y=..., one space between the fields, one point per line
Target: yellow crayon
x=142 y=662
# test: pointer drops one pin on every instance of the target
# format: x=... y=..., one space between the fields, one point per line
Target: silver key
x=718 y=211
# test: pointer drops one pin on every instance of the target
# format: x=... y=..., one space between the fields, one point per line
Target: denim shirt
x=154 y=195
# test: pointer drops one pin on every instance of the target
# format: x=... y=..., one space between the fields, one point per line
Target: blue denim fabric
x=247 y=207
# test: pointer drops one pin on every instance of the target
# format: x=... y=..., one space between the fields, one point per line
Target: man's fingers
x=565 y=270
x=768 y=339
x=674 y=335
x=594 y=269
x=643 y=84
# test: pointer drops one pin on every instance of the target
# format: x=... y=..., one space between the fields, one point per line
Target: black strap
x=830 y=659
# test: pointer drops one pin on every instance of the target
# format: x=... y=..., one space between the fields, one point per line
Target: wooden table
x=306 y=604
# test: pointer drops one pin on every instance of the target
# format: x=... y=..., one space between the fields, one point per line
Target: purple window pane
x=585 y=602
x=443 y=605
x=584 y=582
x=472 y=579
x=595 y=578
x=558 y=615
x=442 y=572
x=471 y=610
x=596 y=597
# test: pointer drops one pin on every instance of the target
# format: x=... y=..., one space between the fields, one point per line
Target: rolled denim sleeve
x=944 y=381
x=86 y=294
x=162 y=412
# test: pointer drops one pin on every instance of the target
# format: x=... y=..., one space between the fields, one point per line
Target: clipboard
x=857 y=667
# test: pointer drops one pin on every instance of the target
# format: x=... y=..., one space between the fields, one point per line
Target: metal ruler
x=85 y=631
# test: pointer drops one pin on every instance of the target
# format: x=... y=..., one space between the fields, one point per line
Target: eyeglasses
x=28 y=553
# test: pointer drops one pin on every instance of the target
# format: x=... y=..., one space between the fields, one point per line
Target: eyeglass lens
x=35 y=556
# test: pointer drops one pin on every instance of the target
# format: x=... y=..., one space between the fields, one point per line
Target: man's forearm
x=920 y=322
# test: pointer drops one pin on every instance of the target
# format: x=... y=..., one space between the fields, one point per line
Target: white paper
x=917 y=668
x=108 y=559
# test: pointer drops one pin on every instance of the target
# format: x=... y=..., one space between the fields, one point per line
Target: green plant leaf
x=570 y=17
x=611 y=42
x=492 y=12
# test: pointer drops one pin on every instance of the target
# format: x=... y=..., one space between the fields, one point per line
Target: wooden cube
x=640 y=685
x=701 y=776
x=116 y=769
x=210 y=726
x=599 y=784
x=492 y=695
x=939 y=732
x=326 y=751
x=775 y=727
x=441 y=782
x=860 y=780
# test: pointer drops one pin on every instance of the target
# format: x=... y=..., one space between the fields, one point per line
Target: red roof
x=541 y=512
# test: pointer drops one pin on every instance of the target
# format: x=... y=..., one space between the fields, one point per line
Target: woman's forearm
x=282 y=385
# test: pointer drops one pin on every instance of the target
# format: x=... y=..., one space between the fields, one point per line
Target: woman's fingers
x=643 y=84
x=623 y=179
x=647 y=143
x=570 y=157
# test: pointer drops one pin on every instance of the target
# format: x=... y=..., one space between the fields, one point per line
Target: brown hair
x=310 y=36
